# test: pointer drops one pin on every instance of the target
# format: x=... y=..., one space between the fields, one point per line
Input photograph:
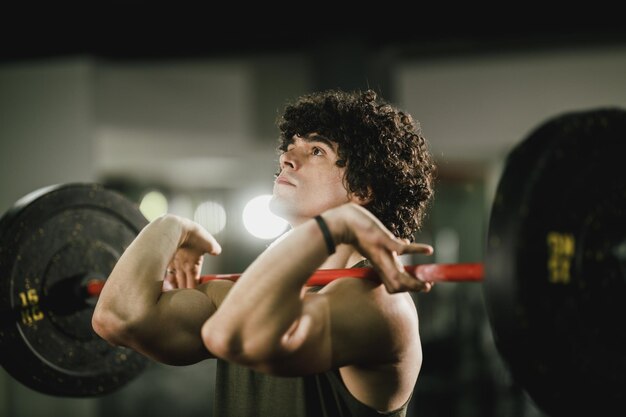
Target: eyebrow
x=315 y=137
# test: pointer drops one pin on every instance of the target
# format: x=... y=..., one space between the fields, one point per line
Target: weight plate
x=555 y=279
x=52 y=241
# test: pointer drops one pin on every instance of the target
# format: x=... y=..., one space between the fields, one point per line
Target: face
x=309 y=181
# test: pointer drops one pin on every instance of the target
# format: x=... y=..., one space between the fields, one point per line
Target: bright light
x=211 y=215
x=260 y=221
x=153 y=205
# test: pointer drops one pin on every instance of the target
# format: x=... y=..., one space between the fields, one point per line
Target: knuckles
x=399 y=282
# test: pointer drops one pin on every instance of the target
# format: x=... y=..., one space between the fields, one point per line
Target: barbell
x=554 y=273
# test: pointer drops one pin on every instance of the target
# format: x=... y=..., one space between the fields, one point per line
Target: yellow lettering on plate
x=560 y=253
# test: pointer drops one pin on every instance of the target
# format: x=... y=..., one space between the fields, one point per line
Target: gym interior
x=194 y=132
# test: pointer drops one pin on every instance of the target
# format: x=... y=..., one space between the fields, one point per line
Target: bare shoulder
x=370 y=294
x=372 y=317
x=376 y=342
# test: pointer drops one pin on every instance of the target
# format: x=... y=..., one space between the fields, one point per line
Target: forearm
x=265 y=320
x=134 y=286
x=267 y=299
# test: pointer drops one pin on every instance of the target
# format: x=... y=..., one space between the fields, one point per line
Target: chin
x=288 y=209
x=278 y=206
x=282 y=208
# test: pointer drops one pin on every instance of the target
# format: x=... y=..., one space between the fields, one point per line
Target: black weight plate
x=555 y=280
x=50 y=241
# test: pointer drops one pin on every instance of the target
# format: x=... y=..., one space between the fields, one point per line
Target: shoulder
x=359 y=303
x=368 y=293
x=376 y=343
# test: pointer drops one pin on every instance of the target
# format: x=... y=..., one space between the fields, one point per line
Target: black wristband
x=330 y=244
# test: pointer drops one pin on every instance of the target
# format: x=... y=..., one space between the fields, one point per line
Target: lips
x=281 y=179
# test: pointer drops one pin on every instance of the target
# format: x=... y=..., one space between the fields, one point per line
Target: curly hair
x=385 y=155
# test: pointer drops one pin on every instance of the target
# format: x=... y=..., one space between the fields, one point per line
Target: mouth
x=283 y=180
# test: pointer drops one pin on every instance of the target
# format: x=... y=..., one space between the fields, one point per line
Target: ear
x=362 y=201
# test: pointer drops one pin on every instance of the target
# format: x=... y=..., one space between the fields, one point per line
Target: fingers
x=209 y=244
x=393 y=274
x=216 y=249
x=404 y=246
x=181 y=276
x=186 y=262
x=200 y=239
x=192 y=275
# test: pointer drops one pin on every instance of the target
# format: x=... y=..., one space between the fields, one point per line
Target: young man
x=354 y=181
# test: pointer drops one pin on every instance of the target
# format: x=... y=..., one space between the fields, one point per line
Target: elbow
x=222 y=342
x=111 y=327
x=234 y=346
x=104 y=325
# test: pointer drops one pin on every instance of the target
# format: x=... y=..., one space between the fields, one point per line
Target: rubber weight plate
x=51 y=242
x=555 y=281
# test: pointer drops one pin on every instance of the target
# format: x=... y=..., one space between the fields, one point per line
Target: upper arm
x=170 y=333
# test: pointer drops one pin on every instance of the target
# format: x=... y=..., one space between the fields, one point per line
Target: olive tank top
x=242 y=392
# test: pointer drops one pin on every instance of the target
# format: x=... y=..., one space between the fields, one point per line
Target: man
x=354 y=181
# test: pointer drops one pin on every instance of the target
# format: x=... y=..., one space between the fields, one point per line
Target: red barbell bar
x=462 y=272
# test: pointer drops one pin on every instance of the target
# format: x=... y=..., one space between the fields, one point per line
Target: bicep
x=171 y=333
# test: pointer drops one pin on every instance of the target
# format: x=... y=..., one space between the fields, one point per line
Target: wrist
x=328 y=238
x=336 y=225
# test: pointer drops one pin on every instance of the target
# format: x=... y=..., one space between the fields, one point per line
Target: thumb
x=200 y=239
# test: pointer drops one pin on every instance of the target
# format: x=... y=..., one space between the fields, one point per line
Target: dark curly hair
x=385 y=155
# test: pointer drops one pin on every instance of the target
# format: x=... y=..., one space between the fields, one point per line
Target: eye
x=317 y=151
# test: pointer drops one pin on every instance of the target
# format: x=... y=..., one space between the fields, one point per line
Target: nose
x=288 y=159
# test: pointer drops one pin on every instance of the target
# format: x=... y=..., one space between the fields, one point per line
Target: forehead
x=316 y=137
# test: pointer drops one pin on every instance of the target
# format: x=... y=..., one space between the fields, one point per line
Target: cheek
x=329 y=178
x=335 y=189
x=337 y=174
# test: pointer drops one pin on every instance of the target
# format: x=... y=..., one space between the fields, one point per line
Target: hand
x=360 y=228
x=183 y=270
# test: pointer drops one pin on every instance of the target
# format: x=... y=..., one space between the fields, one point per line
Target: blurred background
x=184 y=123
